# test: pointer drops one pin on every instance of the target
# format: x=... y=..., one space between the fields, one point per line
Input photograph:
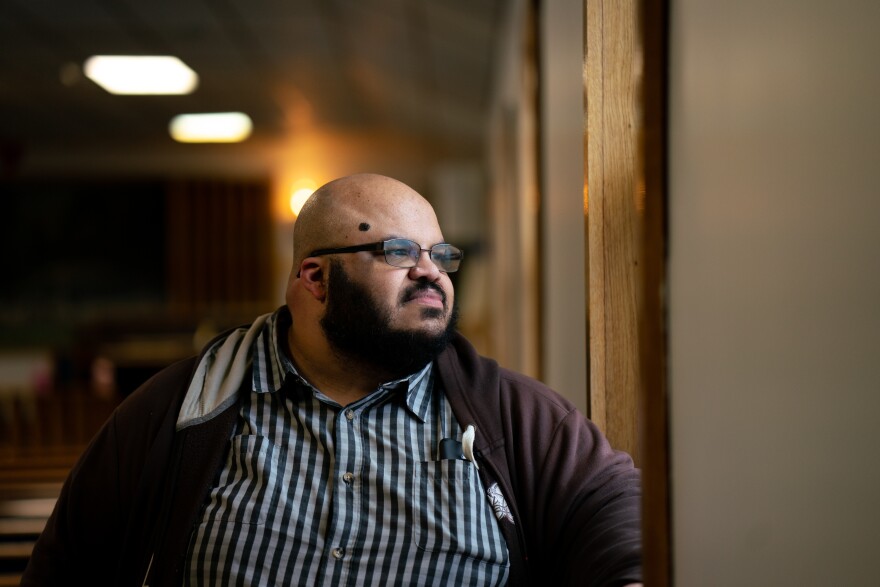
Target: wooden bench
x=30 y=482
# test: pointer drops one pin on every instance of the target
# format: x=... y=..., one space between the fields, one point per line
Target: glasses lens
x=401 y=252
x=446 y=257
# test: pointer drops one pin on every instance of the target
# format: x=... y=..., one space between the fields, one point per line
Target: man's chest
x=344 y=495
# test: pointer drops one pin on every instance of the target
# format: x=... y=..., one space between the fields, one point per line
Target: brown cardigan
x=132 y=500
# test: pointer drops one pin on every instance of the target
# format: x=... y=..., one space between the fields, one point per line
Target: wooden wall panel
x=625 y=199
x=219 y=245
x=611 y=80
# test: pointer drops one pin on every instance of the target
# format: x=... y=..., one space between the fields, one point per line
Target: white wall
x=513 y=201
x=556 y=289
x=564 y=352
x=775 y=292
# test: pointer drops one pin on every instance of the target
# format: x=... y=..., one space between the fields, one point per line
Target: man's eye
x=447 y=254
x=398 y=252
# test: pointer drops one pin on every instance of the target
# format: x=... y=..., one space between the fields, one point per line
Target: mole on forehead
x=364 y=226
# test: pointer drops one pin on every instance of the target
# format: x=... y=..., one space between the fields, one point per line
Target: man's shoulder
x=525 y=388
x=485 y=380
x=161 y=392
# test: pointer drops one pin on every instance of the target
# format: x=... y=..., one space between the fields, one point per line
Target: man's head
x=358 y=297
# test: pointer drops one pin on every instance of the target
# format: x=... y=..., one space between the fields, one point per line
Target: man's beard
x=358 y=327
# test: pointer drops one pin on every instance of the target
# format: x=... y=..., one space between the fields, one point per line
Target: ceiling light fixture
x=143 y=74
x=217 y=127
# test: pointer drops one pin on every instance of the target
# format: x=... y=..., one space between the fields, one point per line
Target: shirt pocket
x=453 y=514
x=248 y=487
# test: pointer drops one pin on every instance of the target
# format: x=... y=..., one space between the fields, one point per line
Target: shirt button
x=349 y=414
x=348 y=477
x=338 y=553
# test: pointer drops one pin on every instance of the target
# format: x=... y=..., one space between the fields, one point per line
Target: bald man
x=352 y=437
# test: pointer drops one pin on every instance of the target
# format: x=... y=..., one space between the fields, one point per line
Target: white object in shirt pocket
x=247 y=489
x=452 y=513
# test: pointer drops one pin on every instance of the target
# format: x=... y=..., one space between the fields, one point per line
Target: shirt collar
x=268 y=359
x=271 y=367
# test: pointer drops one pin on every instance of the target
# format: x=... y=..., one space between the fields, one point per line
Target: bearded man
x=352 y=437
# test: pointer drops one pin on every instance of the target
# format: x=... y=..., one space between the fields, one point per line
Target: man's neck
x=342 y=378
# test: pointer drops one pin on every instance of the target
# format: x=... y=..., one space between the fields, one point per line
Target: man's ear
x=313 y=277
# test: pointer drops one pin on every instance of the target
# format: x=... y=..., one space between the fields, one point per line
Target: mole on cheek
x=364 y=227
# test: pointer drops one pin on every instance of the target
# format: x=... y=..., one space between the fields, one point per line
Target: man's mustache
x=412 y=291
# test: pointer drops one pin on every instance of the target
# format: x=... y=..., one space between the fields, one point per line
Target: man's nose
x=425 y=268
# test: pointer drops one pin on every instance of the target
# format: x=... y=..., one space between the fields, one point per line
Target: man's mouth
x=428 y=295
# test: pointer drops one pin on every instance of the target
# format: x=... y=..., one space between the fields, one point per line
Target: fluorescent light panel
x=143 y=74
x=217 y=127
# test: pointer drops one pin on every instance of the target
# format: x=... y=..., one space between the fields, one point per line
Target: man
x=352 y=437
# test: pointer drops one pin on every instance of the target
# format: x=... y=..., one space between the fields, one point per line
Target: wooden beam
x=657 y=536
x=611 y=89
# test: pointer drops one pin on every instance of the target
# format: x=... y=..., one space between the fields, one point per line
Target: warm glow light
x=122 y=74
x=299 y=197
x=217 y=127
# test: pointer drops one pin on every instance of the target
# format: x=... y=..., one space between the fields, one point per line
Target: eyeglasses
x=401 y=252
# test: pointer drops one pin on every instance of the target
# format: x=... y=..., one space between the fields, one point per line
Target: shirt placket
x=342 y=533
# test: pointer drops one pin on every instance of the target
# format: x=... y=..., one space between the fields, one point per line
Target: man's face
x=362 y=325
x=418 y=299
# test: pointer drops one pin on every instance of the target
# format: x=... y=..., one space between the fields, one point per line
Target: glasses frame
x=380 y=246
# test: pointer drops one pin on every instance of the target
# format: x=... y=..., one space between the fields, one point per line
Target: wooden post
x=612 y=68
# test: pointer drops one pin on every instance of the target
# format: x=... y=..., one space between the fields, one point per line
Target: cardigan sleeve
x=578 y=499
x=590 y=498
x=575 y=500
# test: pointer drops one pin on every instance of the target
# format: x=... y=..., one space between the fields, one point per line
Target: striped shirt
x=315 y=494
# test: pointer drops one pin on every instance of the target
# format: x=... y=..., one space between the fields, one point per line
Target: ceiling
x=419 y=70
